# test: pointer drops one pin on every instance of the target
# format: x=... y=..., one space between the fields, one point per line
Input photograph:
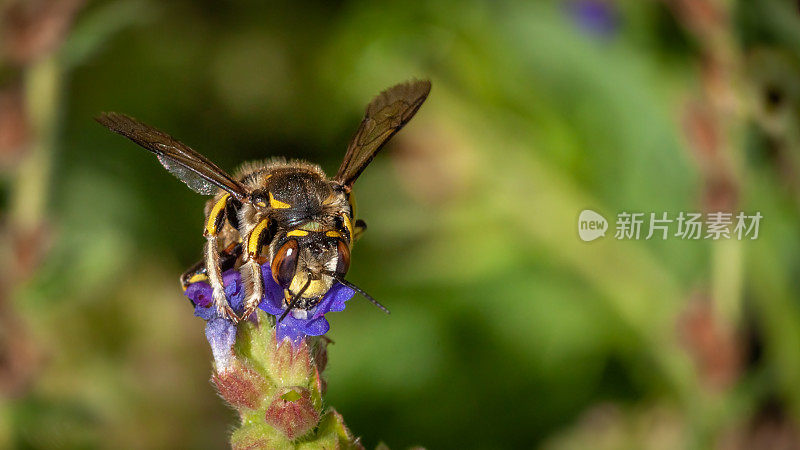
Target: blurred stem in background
x=719 y=147
x=31 y=34
x=33 y=65
x=27 y=229
x=715 y=128
x=719 y=336
x=31 y=186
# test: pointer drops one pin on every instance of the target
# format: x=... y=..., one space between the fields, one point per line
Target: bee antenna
x=294 y=300
x=357 y=289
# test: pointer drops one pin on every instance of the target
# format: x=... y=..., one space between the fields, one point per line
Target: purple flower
x=221 y=335
x=203 y=300
x=596 y=17
x=293 y=328
x=314 y=324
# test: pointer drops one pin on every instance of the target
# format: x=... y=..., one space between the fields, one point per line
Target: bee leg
x=261 y=234
x=193 y=274
x=197 y=272
x=359 y=229
x=214 y=223
x=254 y=287
x=215 y=280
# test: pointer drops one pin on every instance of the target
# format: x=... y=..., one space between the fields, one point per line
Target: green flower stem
x=43 y=82
x=277 y=389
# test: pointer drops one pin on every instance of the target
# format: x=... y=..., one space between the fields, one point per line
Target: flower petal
x=290 y=327
x=221 y=335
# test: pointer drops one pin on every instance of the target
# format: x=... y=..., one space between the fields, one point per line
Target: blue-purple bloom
x=219 y=331
x=596 y=17
x=221 y=335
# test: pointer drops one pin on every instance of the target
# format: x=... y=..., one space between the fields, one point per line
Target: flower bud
x=292 y=413
x=241 y=386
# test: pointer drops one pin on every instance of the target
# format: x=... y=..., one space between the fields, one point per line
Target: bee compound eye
x=259 y=198
x=343 y=258
x=284 y=263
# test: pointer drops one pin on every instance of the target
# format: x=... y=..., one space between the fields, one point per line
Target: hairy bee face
x=307 y=273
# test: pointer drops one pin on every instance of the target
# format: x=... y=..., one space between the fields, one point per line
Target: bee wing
x=194 y=169
x=385 y=116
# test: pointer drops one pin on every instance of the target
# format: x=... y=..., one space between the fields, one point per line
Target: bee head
x=306 y=267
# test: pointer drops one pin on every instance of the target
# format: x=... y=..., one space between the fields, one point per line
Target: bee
x=287 y=213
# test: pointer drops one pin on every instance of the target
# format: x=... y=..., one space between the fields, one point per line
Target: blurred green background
x=506 y=331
